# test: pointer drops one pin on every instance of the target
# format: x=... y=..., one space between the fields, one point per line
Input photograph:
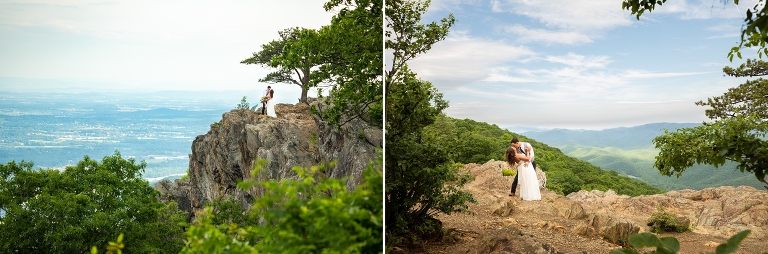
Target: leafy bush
x=310 y=215
x=670 y=245
x=662 y=221
x=244 y=104
x=563 y=182
x=85 y=205
x=508 y=172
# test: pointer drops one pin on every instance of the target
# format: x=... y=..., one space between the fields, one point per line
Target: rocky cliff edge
x=226 y=154
x=597 y=221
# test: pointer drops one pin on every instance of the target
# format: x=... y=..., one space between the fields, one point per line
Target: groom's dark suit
x=514 y=183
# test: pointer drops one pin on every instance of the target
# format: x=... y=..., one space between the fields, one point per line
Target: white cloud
x=582 y=15
x=460 y=60
x=193 y=44
x=450 y=4
x=164 y=21
x=704 y=9
x=576 y=60
x=547 y=36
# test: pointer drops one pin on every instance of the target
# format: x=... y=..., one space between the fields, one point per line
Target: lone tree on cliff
x=292 y=57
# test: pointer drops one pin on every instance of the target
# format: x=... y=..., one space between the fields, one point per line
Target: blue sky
x=581 y=64
x=145 y=45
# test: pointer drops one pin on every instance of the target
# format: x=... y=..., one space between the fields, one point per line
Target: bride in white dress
x=271 y=104
x=529 y=184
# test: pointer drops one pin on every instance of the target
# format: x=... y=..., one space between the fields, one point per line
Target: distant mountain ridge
x=630 y=152
x=621 y=137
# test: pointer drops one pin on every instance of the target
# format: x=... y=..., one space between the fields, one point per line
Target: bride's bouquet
x=264 y=99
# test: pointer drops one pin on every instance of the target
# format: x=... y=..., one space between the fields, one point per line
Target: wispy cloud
x=526 y=35
x=639 y=74
x=576 y=60
x=582 y=15
x=704 y=9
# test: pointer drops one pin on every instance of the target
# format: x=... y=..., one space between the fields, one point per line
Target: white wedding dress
x=529 y=184
x=271 y=108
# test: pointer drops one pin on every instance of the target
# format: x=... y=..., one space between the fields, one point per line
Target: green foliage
x=229 y=211
x=244 y=104
x=662 y=221
x=753 y=32
x=351 y=52
x=185 y=176
x=421 y=178
x=564 y=182
x=737 y=134
x=508 y=172
x=310 y=215
x=670 y=245
x=115 y=247
x=85 y=205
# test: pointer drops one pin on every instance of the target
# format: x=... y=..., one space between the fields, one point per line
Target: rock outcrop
x=721 y=211
x=227 y=153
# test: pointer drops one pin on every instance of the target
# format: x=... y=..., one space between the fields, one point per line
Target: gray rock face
x=228 y=152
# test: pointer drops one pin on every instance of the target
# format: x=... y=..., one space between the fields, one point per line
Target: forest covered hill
x=630 y=152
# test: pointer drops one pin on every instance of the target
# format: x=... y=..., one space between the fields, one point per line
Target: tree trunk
x=304 y=92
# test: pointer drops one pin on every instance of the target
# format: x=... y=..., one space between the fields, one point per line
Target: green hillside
x=470 y=141
x=615 y=149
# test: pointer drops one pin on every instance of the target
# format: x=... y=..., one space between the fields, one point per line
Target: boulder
x=508 y=240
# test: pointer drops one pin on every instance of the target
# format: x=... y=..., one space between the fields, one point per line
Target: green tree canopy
x=737 y=133
x=421 y=180
x=351 y=49
x=85 y=205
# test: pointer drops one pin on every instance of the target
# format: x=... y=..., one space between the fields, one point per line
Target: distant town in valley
x=55 y=130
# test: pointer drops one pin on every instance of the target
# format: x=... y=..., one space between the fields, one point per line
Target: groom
x=264 y=103
x=525 y=148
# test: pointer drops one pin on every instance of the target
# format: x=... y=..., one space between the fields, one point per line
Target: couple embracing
x=520 y=156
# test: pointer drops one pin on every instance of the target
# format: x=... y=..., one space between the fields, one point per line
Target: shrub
x=662 y=221
x=313 y=214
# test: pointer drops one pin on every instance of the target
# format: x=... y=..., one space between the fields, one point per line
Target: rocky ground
x=593 y=222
